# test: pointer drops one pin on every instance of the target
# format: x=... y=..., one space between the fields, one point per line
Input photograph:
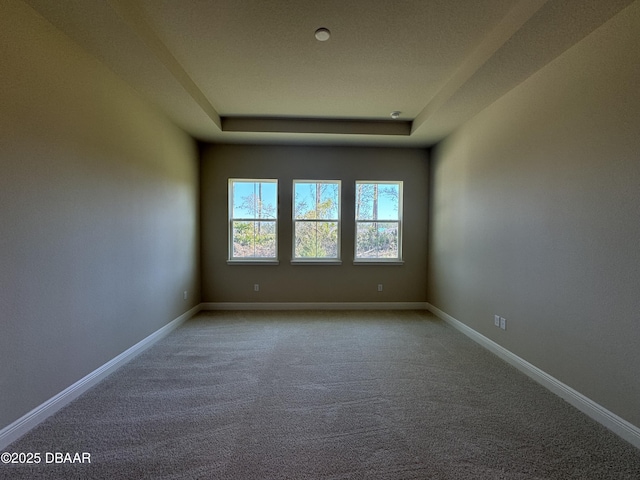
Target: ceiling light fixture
x=396 y=114
x=323 y=34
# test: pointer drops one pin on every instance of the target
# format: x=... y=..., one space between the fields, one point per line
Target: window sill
x=378 y=262
x=316 y=261
x=253 y=262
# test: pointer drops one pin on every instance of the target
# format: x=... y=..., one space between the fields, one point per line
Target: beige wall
x=98 y=212
x=313 y=283
x=536 y=217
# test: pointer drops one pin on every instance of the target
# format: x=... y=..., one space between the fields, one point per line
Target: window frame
x=337 y=260
x=233 y=260
x=400 y=221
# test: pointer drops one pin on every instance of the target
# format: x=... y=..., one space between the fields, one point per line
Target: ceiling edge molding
x=508 y=26
x=316 y=125
x=136 y=20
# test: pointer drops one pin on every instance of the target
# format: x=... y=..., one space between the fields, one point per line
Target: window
x=316 y=220
x=378 y=221
x=253 y=214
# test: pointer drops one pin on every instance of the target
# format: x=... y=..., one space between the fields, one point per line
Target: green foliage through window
x=253 y=213
x=378 y=208
x=316 y=219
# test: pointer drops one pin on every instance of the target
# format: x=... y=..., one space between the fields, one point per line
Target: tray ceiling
x=242 y=71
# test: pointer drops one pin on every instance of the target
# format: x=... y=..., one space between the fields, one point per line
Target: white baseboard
x=314 y=306
x=597 y=412
x=15 y=430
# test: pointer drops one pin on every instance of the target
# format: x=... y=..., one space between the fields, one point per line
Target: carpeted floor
x=323 y=395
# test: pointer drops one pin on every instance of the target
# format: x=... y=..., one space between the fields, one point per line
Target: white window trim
x=316 y=260
x=253 y=261
x=231 y=260
x=382 y=261
x=372 y=260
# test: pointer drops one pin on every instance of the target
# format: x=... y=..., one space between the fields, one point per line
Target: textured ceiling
x=245 y=70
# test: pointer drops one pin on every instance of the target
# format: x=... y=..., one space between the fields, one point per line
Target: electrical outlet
x=379 y=287
x=256 y=287
x=184 y=295
x=496 y=320
x=503 y=323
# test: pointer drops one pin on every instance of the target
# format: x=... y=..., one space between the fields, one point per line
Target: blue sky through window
x=306 y=200
x=387 y=204
x=248 y=195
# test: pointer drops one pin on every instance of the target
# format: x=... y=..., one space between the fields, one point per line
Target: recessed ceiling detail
x=252 y=74
x=316 y=126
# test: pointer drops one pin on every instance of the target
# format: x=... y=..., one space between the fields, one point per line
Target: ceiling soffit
x=251 y=71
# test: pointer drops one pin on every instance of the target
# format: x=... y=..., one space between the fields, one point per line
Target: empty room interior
x=315 y=188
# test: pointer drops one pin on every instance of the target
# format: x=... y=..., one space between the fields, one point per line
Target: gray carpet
x=323 y=395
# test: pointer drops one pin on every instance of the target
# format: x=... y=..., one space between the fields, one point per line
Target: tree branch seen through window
x=378 y=220
x=316 y=219
x=253 y=213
